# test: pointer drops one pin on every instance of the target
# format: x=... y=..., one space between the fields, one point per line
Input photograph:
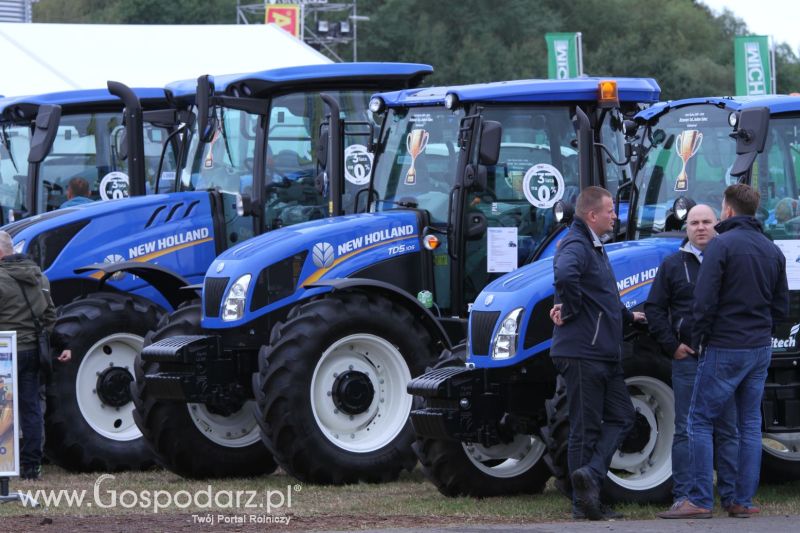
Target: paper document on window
x=791 y=249
x=502 y=249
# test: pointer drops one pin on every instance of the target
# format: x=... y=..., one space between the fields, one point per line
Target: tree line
x=681 y=43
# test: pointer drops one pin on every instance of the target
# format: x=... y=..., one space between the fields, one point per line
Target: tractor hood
x=284 y=265
x=635 y=264
x=142 y=229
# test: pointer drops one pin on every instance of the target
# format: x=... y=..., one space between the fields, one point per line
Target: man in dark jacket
x=17 y=274
x=741 y=293
x=587 y=349
x=669 y=318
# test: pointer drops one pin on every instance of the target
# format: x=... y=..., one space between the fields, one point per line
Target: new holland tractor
x=336 y=316
x=500 y=393
x=116 y=268
x=48 y=139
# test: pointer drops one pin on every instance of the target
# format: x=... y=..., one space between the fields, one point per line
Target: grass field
x=401 y=503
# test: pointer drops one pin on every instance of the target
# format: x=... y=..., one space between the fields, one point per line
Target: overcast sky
x=779 y=18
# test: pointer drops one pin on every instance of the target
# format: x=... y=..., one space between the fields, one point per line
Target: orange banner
x=285 y=16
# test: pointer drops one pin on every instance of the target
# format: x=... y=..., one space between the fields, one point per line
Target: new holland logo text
x=789 y=342
x=374 y=238
x=633 y=280
x=322 y=254
x=168 y=242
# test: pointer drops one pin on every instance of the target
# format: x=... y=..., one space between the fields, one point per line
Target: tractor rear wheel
x=192 y=439
x=331 y=388
x=89 y=423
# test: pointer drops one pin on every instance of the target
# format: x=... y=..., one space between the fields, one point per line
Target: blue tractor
x=117 y=267
x=498 y=392
x=337 y=315
x=47 y=140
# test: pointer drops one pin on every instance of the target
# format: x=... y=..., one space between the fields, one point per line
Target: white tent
x=43 y=58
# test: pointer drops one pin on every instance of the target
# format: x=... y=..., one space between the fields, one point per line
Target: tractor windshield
x=14 y=147
x=419 y=160
x=690 y=153
x=90 y=150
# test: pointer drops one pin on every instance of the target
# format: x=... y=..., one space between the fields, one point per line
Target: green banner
x=564 y=55
x=754 y=60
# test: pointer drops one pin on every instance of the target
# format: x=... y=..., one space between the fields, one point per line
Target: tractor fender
x=396 y=294
x=175 y=289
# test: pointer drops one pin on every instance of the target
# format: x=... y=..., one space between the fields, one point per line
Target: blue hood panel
x=336 y=248
x=635 y=264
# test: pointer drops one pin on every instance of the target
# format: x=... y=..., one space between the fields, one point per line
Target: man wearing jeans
x=741 y=293
x=587 y=350
x=669 y=318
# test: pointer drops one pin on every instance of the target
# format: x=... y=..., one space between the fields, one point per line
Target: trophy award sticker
x=114 y=186
x=543 y=185
x=416 y=141
x=357 y=164
x=687 y=143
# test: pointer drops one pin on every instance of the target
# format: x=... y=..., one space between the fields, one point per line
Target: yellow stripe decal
x=154 y=255
x=320 y=272
x=632 y=287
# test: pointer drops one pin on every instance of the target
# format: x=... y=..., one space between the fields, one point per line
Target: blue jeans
x=726 y=437
x=600 y=412
x=31 y=419
x=723 y=374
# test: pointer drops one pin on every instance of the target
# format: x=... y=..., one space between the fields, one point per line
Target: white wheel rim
x=234 y=431
x=784 y=446
x=652 y=465
x=117 y=350
x=387 y=414
x=516 y=457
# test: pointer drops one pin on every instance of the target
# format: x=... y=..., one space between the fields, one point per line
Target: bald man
x=669 y=313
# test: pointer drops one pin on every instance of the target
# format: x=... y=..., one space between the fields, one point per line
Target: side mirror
x=44 y=132
x=489 y=151
x=206 y=116
x=585 y=148
x=751 y=136
x=322 y=148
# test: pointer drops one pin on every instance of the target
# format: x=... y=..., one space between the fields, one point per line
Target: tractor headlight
x=233 y=305
x=504 y=345
x=451 y=101
x=19 y=247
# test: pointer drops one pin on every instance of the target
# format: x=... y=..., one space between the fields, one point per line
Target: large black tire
x=362 y=347
x=170 y=428
x=468 y=469
x=641 y=471
x=780 y=460
x=88 y=422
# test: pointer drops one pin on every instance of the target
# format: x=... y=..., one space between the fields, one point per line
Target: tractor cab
x=48 y=140
x=488 y=163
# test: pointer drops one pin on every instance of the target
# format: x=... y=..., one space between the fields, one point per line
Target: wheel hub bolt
x=464 y=403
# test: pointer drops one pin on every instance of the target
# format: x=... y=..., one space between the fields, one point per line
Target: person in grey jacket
x=19 y=273
x=587 y=350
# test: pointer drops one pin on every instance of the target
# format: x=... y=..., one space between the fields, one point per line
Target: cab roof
x=644 y=90
x=21 y=107
x=776 y=103
x=267 y=82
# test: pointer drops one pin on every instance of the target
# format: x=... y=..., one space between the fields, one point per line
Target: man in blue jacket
x=669 y=319
x=741 y=293
x=587 y=350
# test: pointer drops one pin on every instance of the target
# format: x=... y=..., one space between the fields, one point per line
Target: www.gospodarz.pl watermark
x=102 y=496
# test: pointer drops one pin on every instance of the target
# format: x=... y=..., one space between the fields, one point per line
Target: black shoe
x=587 y=494
x=31 y=473
x=608 y=513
